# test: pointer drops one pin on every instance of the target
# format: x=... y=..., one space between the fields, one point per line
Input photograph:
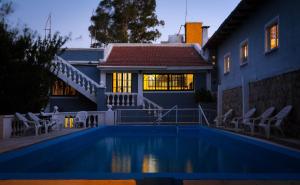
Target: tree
x=123 y=21
x=25 y=66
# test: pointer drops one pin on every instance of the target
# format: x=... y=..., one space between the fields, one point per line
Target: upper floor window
x=168 y=82
x=272 y=35
x=121 y=82
x=60 y=88
x=227 y=61
x=244 y=52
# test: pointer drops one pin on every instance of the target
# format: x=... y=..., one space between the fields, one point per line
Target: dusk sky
x=73 y=16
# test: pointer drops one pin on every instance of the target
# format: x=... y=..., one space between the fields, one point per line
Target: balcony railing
x=121 y=99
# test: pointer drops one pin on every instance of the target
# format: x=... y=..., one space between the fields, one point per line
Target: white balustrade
x=121 y=99
x=75 y=78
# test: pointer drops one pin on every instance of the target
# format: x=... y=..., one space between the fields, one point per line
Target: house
x=130 y=76
x=257 y=53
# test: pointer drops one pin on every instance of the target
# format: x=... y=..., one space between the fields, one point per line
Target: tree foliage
x=123 y=21
x=25 y=66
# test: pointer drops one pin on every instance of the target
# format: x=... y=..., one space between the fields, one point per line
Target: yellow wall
x=193 y=32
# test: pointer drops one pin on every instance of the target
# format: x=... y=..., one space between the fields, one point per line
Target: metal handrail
x=202 y=112
x=162 y=116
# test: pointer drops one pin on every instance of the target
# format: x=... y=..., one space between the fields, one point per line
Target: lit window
x=227 y=61
x=168 y=82
x=272 y=36
x=244 y=52
x=60 y=88
x=122 y=82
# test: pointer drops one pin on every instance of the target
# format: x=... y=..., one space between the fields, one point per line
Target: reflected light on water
x=150 y=164
x=121 y=163
x=189 y=167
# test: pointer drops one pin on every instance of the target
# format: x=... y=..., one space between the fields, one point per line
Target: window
x=60 y=88
x=227 y=61
x=168 y=82
x=244 y=52
x=272 y=35
x=122 y=82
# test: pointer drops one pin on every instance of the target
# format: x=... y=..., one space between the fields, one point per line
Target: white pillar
x=103 y=77
x=208 y=81
x=140 y=89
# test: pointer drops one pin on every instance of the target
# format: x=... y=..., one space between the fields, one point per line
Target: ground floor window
x=60 y=88
x=168 y=82
x=122 y=82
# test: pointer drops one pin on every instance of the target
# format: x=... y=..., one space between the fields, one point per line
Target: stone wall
x=278 y=91
x=232 y=99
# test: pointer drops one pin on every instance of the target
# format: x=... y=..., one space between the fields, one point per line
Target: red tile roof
x=154 y=56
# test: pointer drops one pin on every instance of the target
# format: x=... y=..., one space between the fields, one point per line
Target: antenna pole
x=48 y=26
x=186 y=10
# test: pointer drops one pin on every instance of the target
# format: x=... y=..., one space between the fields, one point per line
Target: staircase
x=75 y=78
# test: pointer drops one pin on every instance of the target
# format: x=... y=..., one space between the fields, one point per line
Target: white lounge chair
x=223 y=119
x=29 y=125
x=253 y=122
x=44 y=123
x=80 y=117
x=276 y=122
x=241 y=120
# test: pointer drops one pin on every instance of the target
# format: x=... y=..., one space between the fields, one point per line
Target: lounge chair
x=44 y=123
x=253 y=122
x=276 y=122
x=29 y=125
x=223 y=119
x=80 y=118
x=241 y=120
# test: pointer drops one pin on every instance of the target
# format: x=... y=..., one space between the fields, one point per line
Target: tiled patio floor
x=19 y=142
x=288 y=142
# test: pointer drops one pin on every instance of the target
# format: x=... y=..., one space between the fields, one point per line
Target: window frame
x=271 y=23
x=230 y=61
x=120 y=82
x=168 y=83
x=243 y=61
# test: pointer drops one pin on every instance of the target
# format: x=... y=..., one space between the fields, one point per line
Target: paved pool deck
x=20 y=142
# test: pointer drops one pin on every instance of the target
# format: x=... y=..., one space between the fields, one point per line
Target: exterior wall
x=83 y=54
x=261 y=65
x=182 y=99
x=232 y=99
x=279 y=91
x=166 y=99
x=91 y=71
x=71 y=104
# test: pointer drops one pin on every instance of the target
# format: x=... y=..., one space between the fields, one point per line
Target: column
x=208 y=81
x=140 y=89
x=101 y=98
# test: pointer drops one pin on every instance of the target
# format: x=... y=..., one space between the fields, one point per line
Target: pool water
x=161 y=150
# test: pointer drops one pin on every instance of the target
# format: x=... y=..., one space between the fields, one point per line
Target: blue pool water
x=121 y=152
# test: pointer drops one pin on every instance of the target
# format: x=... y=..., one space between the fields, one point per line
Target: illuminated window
x=60 y=88
x=168 y=82
x=227 y=61
x=272 y=35
x=244 y=52
x=121 y=82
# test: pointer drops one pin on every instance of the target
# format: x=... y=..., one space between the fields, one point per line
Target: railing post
x=176 y=111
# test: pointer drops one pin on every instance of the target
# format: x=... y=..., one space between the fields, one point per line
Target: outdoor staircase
x=75 y=78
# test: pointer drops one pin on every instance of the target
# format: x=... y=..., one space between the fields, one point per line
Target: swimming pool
x=126 y=152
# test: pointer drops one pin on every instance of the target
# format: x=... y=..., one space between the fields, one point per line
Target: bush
x=203 y=96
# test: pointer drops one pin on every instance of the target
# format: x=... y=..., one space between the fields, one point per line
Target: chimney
x=204 y=35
